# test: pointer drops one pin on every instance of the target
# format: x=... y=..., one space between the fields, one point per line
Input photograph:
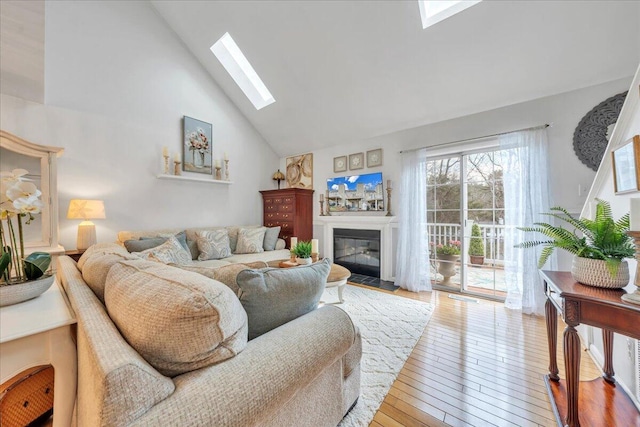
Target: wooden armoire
x=292 y=210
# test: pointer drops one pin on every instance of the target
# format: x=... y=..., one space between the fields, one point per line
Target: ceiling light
x=433 y=12
x=236 y=64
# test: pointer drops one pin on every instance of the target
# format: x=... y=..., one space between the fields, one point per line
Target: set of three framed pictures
x=356 y=161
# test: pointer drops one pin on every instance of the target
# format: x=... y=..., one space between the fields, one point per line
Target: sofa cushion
x=226 y=274
x=275 y=296
x=170 y=251
x=97 y=261
x=250 y=240
x=101 y=249
x=177 y=320
x=213 y=244
x=143 y=244
x=271 y=238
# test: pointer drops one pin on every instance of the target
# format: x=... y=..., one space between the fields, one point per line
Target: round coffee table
x=338 y=275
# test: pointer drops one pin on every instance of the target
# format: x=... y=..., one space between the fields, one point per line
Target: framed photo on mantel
x=626 y=166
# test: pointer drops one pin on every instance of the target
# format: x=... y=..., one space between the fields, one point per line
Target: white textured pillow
x=250 y=240
x=170 y=252
x=213 y=244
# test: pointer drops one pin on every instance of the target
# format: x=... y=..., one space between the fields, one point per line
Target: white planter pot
x=303 y=261
x=19 y=292
x=594 y=272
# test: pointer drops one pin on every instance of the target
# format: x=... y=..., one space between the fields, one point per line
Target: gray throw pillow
x=145 y=243
x=271 y=238
x=274 y=296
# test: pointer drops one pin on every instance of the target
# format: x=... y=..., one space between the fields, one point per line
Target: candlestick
x=176 y=167
x=322 y=208
x=166 y=163
x=314 y=245
x=388 y=183
x=217 y=163
x=218 y=172
x=176 y=157
x=634 y=214
x=328 y=212
x=634 y=297
x=165 y=151
x=322 y=197
x=314 y=257
x=226 y=168
x=388 y=200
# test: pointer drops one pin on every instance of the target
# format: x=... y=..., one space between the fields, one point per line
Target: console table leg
x=607 y=339
x=551 y=316
x=572 y=365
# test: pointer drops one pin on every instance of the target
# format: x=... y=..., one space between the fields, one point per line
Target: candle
x=176 y=157
x=388 y=183
x=314 y=246
x=217 y=163
x=634 y=215
x=294 y=242
x=165 y=151
x=225 y=156
x=322 y=197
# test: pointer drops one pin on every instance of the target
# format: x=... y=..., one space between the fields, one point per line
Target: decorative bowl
x=18 y=292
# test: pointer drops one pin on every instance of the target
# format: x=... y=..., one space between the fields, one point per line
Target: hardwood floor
x=476 y=364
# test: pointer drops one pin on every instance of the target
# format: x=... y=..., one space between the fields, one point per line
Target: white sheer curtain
x=412 y=262
x=526 y=197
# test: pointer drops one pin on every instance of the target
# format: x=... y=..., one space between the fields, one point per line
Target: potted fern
x=476 y=246
x=599 y=248
x=302 y=251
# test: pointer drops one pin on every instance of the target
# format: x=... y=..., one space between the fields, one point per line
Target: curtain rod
x=544 y=126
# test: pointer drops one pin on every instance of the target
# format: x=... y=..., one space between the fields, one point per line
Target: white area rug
x=390 y=326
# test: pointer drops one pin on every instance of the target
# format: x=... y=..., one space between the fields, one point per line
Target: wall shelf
x=193 y=178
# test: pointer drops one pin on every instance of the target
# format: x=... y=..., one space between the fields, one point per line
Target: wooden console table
x=602 y=402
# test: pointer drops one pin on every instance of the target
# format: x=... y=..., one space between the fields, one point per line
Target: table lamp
x=86 y=210
x=278 y=176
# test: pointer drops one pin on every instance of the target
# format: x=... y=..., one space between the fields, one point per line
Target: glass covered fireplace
x=357 y=250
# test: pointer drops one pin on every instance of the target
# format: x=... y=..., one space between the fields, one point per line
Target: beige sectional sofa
x=303 y=373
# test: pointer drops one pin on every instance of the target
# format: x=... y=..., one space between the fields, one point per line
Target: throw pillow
x=177 y=320
x=170 y=251
x=213 y=244
x=274 y=296
x=226 y=274
x=250 y=240
x=145 y=243
x=271 y=238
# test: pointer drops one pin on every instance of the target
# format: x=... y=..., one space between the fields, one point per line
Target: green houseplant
x=302 y=251
x=476 y=246
x=599 y=245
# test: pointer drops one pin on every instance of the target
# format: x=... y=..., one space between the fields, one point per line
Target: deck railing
x=492 y=238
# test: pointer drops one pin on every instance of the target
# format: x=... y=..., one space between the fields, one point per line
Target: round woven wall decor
x=590 y=137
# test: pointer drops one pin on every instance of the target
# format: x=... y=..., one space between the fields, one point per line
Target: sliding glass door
x=465 y=216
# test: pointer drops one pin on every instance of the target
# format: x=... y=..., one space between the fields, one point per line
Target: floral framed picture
x=300 y=171
x=340 y=164
x=197 y=146
x=356 y=161
x=374 y=158
x=626 y=167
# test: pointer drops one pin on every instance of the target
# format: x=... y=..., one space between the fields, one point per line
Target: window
x=236 y=64
x=433 y=12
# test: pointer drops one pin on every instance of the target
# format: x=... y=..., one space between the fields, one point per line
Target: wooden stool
x=338 y=277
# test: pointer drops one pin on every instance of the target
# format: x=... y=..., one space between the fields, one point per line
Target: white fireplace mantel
x=387 y=225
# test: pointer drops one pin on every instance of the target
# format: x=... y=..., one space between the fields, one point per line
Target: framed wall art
x=197 y=146
x=356 y=161
x=626 y=166
x=300 y=171
x=340 y=164
x=374 y=158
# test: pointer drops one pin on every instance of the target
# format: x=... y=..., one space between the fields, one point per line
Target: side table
x=41 y=331
x=75 y=254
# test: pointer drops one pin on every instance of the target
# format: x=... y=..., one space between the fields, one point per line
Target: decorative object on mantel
x=165 y=154
x=321 y=204
x=278 y=176
x=302 y=251
x=300 y=171
x=356 y=161
x=218 y=168
x=198 y=137
x=374 y=158
x=226 y=166
x=340 y=164
x=355 y=193
x=176 y=164
x=626 y=166
x=86 y=210
x=598 y=255
x=389 y=198
x=20 y=278
x=328 y=211
x=591 y=137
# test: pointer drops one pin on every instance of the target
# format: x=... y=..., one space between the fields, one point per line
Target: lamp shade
x=86 y=209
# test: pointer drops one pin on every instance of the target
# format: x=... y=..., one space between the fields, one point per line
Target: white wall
x=117 y=83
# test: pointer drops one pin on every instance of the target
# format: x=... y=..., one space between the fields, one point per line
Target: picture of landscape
x=356 y=193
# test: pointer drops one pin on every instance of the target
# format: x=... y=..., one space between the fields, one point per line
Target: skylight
x=433 y=12
x=236 y=64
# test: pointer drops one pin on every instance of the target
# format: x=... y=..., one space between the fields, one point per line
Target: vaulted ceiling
x=343 y=71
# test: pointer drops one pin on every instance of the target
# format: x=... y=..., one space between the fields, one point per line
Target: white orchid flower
x=13 y=176
x=28 y=205
x=23 y=190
